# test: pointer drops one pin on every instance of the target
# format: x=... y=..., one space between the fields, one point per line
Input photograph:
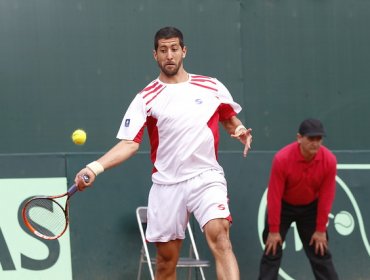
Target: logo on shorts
x=221 y=207
x=127 y=122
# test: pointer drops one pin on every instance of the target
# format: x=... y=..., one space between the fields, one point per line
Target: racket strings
x=46 y=216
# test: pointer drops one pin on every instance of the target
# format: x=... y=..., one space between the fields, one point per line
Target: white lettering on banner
x=344 y=222
x=23 y=255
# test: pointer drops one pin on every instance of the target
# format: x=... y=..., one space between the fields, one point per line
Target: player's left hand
x=320 y=242
x=245 y=136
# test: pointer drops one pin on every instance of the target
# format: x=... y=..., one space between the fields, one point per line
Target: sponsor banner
x=23 y=255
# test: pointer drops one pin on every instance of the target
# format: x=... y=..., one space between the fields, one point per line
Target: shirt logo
x=198 y=101
x=127 y=122
x=221 y=207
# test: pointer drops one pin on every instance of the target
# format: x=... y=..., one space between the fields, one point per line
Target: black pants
x=305 y=218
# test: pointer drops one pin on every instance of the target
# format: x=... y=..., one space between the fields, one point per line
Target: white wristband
x=95 y=167
x=239 y=127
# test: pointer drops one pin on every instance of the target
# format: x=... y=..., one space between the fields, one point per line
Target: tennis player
x=181 y=112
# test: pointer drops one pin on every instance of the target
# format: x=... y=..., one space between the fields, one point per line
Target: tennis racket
x=46 y=217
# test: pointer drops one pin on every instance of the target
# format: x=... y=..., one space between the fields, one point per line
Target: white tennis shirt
x=182 y=123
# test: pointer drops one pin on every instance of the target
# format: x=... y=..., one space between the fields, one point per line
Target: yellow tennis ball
x=79 y=137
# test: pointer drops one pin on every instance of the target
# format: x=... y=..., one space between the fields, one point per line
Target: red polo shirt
x=300 y=182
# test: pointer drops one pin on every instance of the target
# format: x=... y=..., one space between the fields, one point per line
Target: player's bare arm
x=320 y=242
x=237 y=130
x=273 y=241
x=121 y=152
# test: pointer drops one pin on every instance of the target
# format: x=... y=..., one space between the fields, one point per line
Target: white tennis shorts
x=169 y=206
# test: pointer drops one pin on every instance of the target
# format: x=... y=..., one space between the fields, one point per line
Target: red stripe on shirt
x=223 y=112
x=213 y=125
x=204 y=86
x=226 y=111
x=202 y=80
x=150 y=87
x=200 y=76
x=153 y=138
x=153 y=91
x=139 y=136
x=150 y=100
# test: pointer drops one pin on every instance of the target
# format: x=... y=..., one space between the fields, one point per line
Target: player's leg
x=217 y=235
x=208 y=200
x=166 y=261
x=322 y=266
x=270 y=264
x=167 y=221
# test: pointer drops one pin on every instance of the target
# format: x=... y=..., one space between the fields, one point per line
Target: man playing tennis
x=181 y=112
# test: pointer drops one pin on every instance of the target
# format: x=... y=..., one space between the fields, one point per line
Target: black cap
x=311 y=127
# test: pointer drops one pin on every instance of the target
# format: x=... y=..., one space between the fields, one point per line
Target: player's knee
x=217 y=236
x=222 y=243
x=165 y=265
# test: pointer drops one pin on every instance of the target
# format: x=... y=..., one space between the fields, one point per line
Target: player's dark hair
x=167 y=33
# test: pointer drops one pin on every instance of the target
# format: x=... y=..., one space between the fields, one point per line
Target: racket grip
x=72 y=189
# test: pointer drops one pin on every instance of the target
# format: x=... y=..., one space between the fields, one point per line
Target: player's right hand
x=79 y=179
x=273 y=241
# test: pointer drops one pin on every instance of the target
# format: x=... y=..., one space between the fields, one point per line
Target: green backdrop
x=78 y=64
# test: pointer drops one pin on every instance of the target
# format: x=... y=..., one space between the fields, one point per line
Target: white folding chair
x=192 y=261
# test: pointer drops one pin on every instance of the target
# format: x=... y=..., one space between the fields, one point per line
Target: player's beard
x=172 y=70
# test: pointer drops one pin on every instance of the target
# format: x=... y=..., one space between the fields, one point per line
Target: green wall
x=70 y=64
x=307 y=58
x=77 y=64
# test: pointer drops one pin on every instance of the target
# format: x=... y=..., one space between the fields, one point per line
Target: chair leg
x=139 y=272
x=189 y=273
x=140 y=267
x=202 y=273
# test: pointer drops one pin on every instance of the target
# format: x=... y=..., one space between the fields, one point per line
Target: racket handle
x=74 y=188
